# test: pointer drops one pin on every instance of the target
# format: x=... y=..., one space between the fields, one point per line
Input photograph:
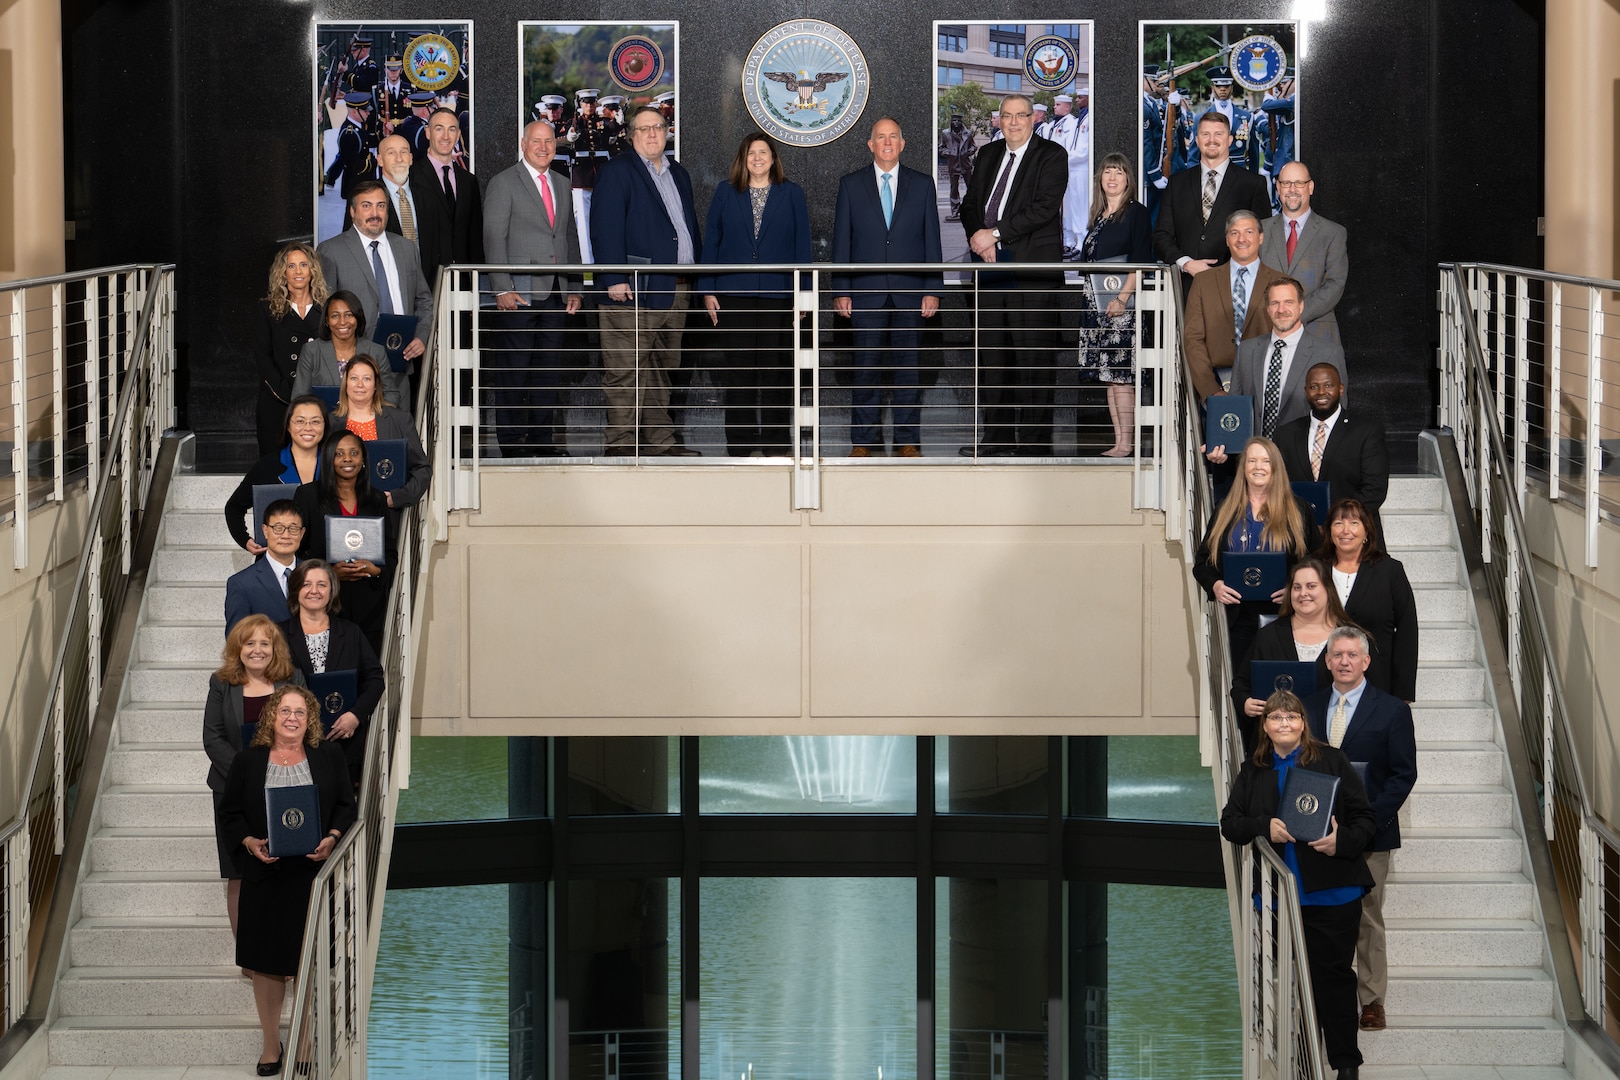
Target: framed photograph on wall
x=1248 y=71
x=379 y=78
x=586 y=78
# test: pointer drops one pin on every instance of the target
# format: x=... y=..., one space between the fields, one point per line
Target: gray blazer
x=318 y=366
x=1321 y=264
x=516 y=232
x=1249 y=373
x=222 y=725
x=346 y=261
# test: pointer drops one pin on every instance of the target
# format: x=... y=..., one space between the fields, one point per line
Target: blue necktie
x=385 y=295
x=887 y=195
x=1240 y=304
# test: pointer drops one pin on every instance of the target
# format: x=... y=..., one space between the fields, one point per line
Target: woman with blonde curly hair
x=292 y=311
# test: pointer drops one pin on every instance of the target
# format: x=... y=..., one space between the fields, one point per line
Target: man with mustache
x=380 y=267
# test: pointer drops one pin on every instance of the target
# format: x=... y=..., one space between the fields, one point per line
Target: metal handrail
x=72 y=276
x=1606 y=284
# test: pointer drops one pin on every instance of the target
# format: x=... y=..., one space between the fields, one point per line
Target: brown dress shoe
x=908 y=451
x=860 y=451
x=1372 y=1017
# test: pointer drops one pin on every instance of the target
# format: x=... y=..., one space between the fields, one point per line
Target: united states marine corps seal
x=1258 y=63
x=636 y=62
x=1050 y=62
x=805 y=82
x=431 y=62
x=292 y=818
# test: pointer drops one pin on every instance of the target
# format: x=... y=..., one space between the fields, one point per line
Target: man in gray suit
x=529 y=221
x=380 y=267
x=1271 y=369
x=1309 y=248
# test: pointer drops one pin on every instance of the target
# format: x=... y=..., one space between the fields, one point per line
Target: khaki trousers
x=1372 y=960
x=653 y=335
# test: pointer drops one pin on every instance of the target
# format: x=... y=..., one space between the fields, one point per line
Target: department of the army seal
x=292 y=818
x=1306 y=804
x=805 y=82
x=636 y=62
x=1050 y=62
x=431 y=62
x=1258 y=63
x=352 y=539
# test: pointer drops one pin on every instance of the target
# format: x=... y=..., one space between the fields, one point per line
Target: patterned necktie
x=1318 y=444
x=1340 y=722
x=385 y=295
x=992 y=209
x=1293 y=239
x=1268 y=418
x=545 y=197
x=1240 y=303
x=887 y=195
x=407 y=217
x=1209 y=195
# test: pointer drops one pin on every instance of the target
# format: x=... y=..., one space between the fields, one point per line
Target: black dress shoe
x=677 y=450
x=1350 y=1072
x=547 y=450
x=273 y=1068
x=967 y=451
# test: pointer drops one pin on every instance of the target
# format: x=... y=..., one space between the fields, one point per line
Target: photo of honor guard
x=1238 y=117
x=393 y=96
x=550 y=109
x=1274 y=133
x=355 y=159
x=611 y=109
x=956 y=146
x=1155 y=150
x=1071 y=129
x=666 y=105
x=588 y=142
x=414 y=126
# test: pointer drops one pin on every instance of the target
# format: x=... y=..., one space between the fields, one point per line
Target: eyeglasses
x=291 y=712
x=1287 y=717
x=1287 y=184
x=305 y=421
x=642 y=129
x=1016 y=115
x=284 y=530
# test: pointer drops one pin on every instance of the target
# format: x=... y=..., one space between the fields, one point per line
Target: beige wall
x=31 y=186
x=685 y=601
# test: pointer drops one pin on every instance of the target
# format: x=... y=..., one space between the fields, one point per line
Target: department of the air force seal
x=805 y=82
x=636 y=62
x=1306 y=804
x=1050 y=62
x=1258 y=63
x=431 y=62
x=292 y=818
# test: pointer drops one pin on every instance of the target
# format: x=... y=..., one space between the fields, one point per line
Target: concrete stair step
x=195 y=491
x=181 y=601
x=160 y=722
x=152 y=893
x=180 y=680
x=230 y=1039
x=1411 y=493
x=1414 y=528
x=1453 y=721
x=1441 y=603
x=1458 y=807
x=1470 y=850
x=1460 y=991
x=200 y=641
x=135 y=806
x=1515 y=943
x=1450 y=1040
x=203 y=528
x=1458 y=896
x=206 y=565
x=158 y=763
x=152 y=941
x=183 y=850
x=1450 y=681
x=1449 y=641
x=155 y=991
x=1459 y=762
x=1431 y=565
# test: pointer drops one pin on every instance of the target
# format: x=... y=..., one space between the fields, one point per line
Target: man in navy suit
x=886 y=214
x=261 y=589
x=642 y=212
x=1373 y=727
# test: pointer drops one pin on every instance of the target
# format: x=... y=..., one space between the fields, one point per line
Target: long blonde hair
x=278 y=298
x=377 y=403
x=1282 y=525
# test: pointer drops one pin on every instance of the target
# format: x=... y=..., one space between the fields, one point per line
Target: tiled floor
x=1453 y=1072
x=148 y=1072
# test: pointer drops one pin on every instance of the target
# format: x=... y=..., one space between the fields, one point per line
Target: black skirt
x=270 y=917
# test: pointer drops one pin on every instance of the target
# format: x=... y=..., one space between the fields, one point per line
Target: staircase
x=1469 y=983
x=151 y=979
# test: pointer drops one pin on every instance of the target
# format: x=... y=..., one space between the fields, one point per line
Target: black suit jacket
x=1252 y=804
x=1182 y=229
x=1381 y=734
x=1032 y=224
x=1274 y=641
x=346 y=650
x=1381 y=603
x=443 y=236
x=241 y=808
x=1355 y=461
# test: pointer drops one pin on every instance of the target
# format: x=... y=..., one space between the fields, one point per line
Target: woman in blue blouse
x=297 y=462
x=759 y=217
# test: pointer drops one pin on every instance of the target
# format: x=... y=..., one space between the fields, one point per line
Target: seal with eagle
x=805 y=84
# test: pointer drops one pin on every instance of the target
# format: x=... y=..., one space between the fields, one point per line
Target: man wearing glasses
x=1308 y=248
x=642 y=212
x=261 y=589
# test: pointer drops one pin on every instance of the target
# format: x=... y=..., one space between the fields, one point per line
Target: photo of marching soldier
x=1244 y=71
x=584 y=79
x=980 y=63
x=374 y=80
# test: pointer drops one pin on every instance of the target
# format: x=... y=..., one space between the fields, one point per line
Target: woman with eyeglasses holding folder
x=1329 y=873
x=320 y=643
x=283 y=779
x=343 y=491
x=297 y=462
x=1260 y=514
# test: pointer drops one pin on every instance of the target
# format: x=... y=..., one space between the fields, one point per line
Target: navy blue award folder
x=1307 y=804
x=1266 y=677
x=1254 y=574
x=385 y=458
x=393 y=333
x=1229 y=423
x=327 y=392
x=355 y=538
x=263 y=496
x=337 y=692
x=294 y=816
x=1316 y=493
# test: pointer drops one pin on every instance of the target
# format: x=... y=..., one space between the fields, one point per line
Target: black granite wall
x=189 y=140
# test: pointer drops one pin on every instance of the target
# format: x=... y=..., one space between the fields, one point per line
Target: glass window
x=1008 y=28
x=807 y=774
x=1155 y=778
x=950 y=75
x=1009 y=80
x=624 y=775
x=1067 y=30
x=990 y=774
x=624 y=981
x=952 y=42
x=1007 y=50
x=991 y=973
x=469 y=780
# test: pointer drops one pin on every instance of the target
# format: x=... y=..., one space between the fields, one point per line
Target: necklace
x=286 y=757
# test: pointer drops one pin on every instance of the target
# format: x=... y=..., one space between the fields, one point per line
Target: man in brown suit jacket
x=1212 y=331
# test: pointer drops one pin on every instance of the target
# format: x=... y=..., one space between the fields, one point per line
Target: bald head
x=1295 y=188
x=394 y=155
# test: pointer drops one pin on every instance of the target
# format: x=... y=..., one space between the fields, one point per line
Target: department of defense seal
x=1306 y=804
x=292 y=818
x=805 y=82
x=1258 y=63
x=1050 y=62
x=636 y=62
x=431 y=62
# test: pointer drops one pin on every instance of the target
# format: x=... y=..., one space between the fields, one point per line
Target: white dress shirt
x=392 y=267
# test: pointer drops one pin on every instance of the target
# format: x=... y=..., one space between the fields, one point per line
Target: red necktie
x=551 y=209
x=1293 y=238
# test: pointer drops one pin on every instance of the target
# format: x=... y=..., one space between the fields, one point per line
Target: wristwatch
x=996 y=233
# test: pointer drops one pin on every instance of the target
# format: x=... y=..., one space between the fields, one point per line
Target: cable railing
x=125 y=367
x=1485 y=392
x=1005 y=372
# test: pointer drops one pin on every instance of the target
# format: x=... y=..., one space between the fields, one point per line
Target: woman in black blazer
x=1120 y=231
x=1329 y=874
x=292 y=315
x=254 y=665
x=297 y=462
x=759 y=216
x=319 y=643
x=344 y=490
x=1376 y=595
x=286 y=752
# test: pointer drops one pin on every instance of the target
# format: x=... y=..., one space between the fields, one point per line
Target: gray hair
x=1349 y=633
x=1238 y=215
